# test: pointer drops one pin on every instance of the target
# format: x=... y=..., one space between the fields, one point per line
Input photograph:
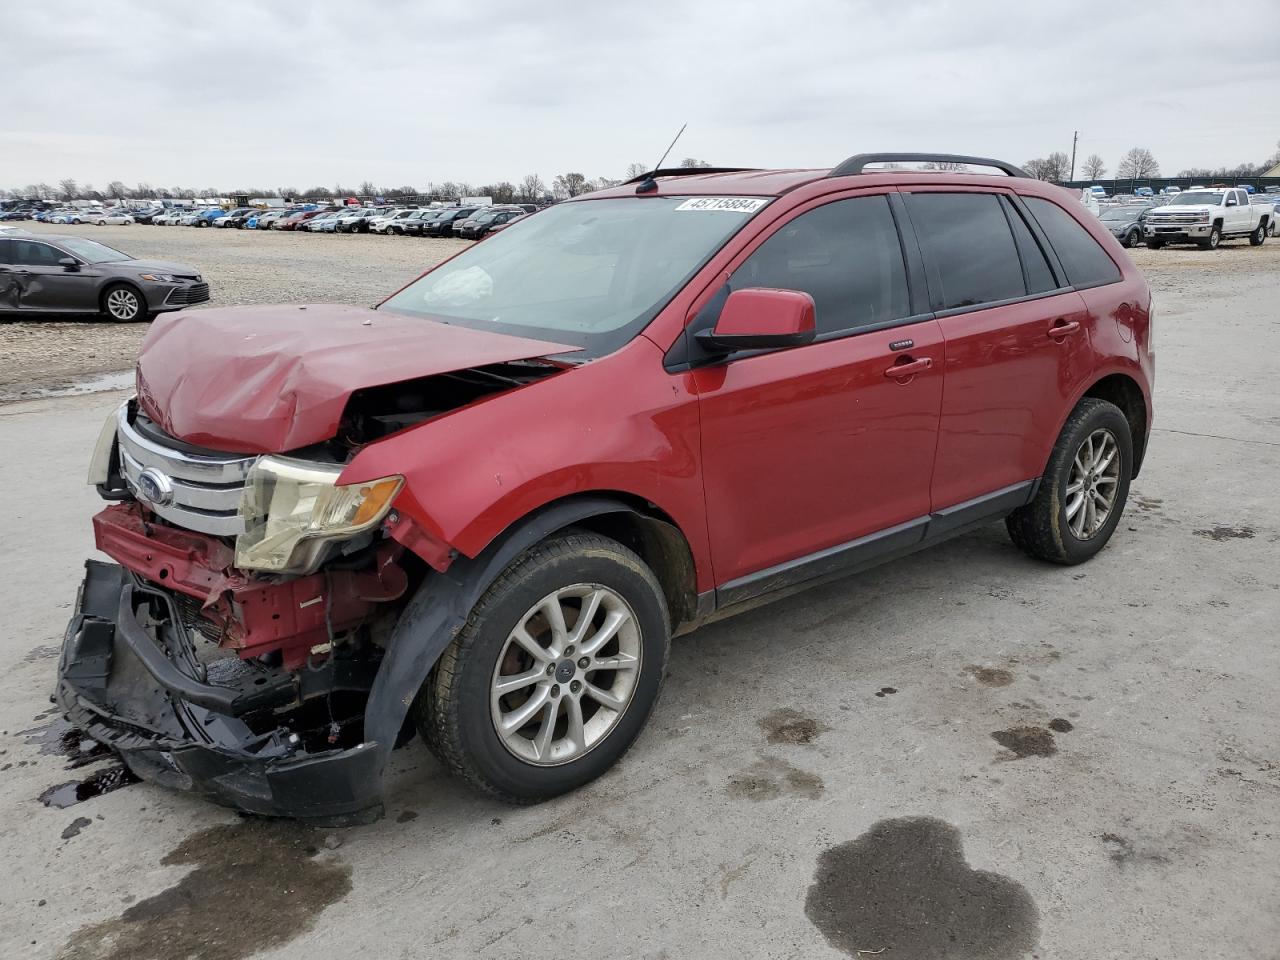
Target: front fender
x=440 y=609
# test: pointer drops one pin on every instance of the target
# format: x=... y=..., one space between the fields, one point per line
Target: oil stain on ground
x=58 y=738
x=791 y=726
x=990 y=676
x=255 y=886
x=770 y=778
x=1226 y=533
x=903 y=889
x=101 y=781
x=1027 y=741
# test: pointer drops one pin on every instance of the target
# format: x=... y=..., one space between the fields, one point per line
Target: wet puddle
x=903 y=889
x=790 y=726
x=101 y=383
x=254 y=886
x=95 y=785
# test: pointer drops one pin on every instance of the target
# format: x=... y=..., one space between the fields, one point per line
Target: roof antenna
x=648 y=185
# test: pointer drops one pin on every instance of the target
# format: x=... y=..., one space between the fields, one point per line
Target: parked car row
x=469 y=222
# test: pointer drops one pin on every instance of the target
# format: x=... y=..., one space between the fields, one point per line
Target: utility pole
x=1075 y=137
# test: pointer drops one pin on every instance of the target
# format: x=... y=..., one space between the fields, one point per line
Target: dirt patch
x=903 y=889
x=1227 y=533
x=886 y=691
x=990 y=676
x=769 y=779
x=1061 y=725
x=75 y=826
x=1026 y=741
x=254 y=887
x=790 y=726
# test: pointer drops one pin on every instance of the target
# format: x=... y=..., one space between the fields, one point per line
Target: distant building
x=1273 y=172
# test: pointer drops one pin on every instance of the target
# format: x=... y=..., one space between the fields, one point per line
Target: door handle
x=905 y=371
x=1064 y=328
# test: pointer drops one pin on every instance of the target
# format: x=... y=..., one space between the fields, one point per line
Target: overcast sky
x=235 y=93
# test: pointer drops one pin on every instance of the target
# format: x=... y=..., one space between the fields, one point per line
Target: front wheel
x=1083 y=490
x=1258 y=235
x=554 y=674
x=1135 y=238
x=1215 y=238
x=124 y=304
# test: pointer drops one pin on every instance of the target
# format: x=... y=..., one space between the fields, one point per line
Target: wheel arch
x=1123 y=391
x=443 y=601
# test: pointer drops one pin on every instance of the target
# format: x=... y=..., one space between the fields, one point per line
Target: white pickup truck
x=1206 y=216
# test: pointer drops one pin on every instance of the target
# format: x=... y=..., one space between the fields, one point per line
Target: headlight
x=1203 y=217
x=292 y=508
x=159 y=277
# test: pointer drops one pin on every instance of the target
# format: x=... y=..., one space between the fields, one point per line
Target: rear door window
x=1083 y=259
x=1035 y=267
x=6 y=251
x=846 y=255
x=968 y=249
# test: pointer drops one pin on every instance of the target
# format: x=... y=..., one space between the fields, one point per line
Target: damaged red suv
x=483 y=508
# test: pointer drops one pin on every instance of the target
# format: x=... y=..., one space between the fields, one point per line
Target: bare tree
x=948 y=165
x=367 y=189
x=636 y=169
x=67 y=188
x=569 y=185
x=1094 y=167
x=116 y=189
x=532 y=189
x=692 y=162
x=1036 y=169
x=1138 y=163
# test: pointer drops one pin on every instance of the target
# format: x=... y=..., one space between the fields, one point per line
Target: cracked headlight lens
x=292 y=508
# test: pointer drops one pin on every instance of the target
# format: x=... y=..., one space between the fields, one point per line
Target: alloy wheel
x=566 y=674
x=122 y=304
x=1092 y=484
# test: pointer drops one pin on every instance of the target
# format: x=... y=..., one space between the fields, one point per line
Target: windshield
x=1120 y=213
x=591 y=273
x=1208 y=197
x=91 y=251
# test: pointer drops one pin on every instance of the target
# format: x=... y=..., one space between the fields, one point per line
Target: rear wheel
x=1083 y=490
x=124 y=304
x=1258 y=235
x=554 y=674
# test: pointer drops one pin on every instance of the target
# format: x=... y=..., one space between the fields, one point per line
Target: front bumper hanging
x=130 y=677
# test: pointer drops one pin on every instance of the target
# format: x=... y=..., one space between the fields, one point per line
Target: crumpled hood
x=275 y=378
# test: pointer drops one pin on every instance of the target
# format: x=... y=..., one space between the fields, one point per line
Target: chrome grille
x=1175 y=218
x=206 y=486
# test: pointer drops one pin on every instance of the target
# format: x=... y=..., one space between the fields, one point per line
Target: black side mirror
x=71 y=264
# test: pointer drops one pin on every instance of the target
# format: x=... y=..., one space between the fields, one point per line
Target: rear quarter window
x=1082 y=257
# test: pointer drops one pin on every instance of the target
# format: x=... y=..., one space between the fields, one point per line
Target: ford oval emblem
x=155 y=487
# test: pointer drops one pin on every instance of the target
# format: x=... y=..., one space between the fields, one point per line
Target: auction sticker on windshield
x=731 y=204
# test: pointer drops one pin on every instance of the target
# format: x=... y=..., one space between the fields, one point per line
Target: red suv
x=485 y=507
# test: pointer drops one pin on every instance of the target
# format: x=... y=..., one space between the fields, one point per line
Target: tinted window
x=1085 y=262
x=968 y=249
x=846 y=255
x=6 y=250
x=31 y=254
x=1034 y=265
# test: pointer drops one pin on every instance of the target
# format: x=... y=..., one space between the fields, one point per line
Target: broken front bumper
x=130 y=677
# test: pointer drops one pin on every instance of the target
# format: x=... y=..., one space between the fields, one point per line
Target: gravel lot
x=963 y=754
x=242 y=266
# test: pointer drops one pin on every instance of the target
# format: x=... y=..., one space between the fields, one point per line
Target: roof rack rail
x=687 y=172
x=857 y=162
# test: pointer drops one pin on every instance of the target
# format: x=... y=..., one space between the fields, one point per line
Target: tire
x=1271 y=228
x=458 y=719
x=1154 y=244
x=1215 y=238
x=1043 y=528
x=115 y=300
x=1258 y=236
x=1134 y=239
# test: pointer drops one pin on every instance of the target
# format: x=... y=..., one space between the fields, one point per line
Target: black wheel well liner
x=1123 y=391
